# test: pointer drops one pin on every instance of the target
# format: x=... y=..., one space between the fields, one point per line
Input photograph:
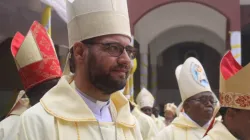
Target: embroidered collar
x=62 y=101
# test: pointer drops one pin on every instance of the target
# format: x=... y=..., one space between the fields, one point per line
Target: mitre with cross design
x=192 y=80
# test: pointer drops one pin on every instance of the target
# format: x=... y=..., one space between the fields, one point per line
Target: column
x=235 y=42
x=46 y=19
x=144 y=70
x=154 y=79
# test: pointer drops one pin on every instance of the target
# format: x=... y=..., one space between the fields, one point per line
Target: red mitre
x=35 y=56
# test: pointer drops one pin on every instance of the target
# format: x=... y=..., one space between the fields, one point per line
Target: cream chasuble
x=159 y=122
x=147 y=125
x=161 y=118
x=11 y=123
x=219 y=132
x=182 y=128
x=63 y=115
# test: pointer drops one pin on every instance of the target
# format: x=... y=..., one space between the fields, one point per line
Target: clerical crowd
x=86 y=101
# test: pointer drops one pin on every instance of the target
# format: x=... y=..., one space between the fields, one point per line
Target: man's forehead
x=202 y=94
x=147 y=107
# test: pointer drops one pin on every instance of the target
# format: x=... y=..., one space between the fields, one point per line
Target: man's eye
x=113 y=48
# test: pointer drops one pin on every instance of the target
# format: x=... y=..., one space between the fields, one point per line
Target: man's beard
x=101 y=80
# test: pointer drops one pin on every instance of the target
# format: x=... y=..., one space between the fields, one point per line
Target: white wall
x=244 y=2
x=175 y=15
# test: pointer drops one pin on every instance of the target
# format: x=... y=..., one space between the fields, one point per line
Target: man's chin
x=120 y=86
x=120 y=82
x=109 y=84
x=116 y=86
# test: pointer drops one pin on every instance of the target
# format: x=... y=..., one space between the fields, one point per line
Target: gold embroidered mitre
x=234 y=86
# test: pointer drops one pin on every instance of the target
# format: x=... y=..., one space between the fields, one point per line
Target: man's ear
x=186 y=106
x=79 y=50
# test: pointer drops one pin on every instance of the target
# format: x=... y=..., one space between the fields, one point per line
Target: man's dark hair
x=72 y=61
x=37 y=92
x=223 y=111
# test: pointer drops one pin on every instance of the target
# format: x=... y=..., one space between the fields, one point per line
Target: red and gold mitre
x=35 y=56
x=234 y=83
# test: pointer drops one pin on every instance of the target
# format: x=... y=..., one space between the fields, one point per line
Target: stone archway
x=147 y=29
x=170 y=58
x=176 y=36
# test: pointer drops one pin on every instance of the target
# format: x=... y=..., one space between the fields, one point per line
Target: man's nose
x=125 y=59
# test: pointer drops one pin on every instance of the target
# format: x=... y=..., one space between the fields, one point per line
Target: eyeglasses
x=205 y=100
x=116 y=49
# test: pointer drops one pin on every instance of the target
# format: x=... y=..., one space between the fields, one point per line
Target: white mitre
x=93 y=18
x=145 y=99
x=192 y=79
